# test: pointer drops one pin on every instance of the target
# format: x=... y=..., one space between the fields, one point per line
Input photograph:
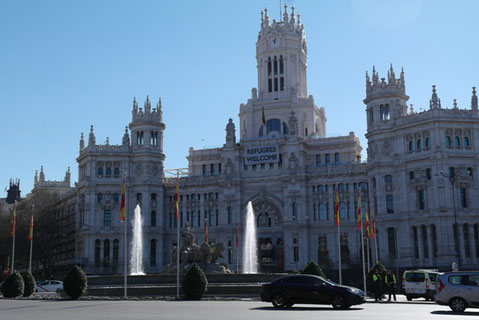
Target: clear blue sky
x=65 y=65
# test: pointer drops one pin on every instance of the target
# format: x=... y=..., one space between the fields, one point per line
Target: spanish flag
x=336 y=209
x=367 y=225
x=373 y=224
x=176 y=200
x=12 y=224
x=122 y=206
x=30 y=229
x=359 y=212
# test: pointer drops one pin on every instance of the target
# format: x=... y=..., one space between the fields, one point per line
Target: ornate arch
x=267 y=210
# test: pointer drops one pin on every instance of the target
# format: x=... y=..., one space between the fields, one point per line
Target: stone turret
x=474 y=99
x=91 y=137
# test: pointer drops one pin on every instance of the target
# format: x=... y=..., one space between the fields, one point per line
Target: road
x=217 y=310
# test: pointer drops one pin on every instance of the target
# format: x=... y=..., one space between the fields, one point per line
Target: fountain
x=250 y=248
x=136 y=257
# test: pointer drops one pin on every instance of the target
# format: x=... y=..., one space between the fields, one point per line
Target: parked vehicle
x=419 y=284
x=459 y=290
x=48 y=285
x=309 y=289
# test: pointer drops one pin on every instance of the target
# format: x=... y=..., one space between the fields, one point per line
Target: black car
x=289 y=290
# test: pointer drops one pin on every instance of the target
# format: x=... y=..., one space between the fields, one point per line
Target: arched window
x=273 y=125
x=411 y=146
x=388 y=179
x=106 y=253
x=153 y=218
x=97 y=252
x=100 y=172
x=411 y=175
x=427 y=143
x=281 y=65
x=419 y=144
x=337 y=160
x=466 y=142
x=269 y=68
x=116 y=249
x=116 y=172
x=448 y=141
x=139 y=138
x=99 y=197
x=457 y=141
x=389 y=204
x=108 y=172
x=153 y=253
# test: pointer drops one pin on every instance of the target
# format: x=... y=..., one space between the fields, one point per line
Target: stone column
x=430 y=248
x=420 y=240
x=460 y=235
x=472 y=243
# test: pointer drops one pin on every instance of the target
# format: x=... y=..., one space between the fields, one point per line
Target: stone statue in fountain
x=205 y=255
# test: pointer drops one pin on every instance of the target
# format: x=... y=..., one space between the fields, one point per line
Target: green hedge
x=75 y=284
x=314 y=269
x=194 y=283
x=13 y=286
x=29 y=284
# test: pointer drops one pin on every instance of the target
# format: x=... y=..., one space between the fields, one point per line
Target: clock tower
x=281 y=95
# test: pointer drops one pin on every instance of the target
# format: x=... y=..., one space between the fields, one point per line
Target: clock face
x=274 y=42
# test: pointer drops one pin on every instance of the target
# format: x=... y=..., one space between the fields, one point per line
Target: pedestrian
x=390 y=281
x=377 y=285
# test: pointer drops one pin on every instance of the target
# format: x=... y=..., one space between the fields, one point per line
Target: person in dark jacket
x=377 y=285
x=390 y=281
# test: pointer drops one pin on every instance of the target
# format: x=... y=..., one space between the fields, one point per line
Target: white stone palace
x=421 y=176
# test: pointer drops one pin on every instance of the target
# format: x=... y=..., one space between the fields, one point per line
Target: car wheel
x=338 y=302
x=409 y=298
x=457 y=305
x=279 y=301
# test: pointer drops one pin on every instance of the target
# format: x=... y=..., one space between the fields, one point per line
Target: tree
x=75 y=283
x=13 y=286
x=314 y=269
x=194 y=284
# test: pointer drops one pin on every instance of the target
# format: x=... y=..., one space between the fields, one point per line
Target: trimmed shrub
x=75 y=284
x=194 y=283
x=314 y=269
x=13 y=286
x=29 y=284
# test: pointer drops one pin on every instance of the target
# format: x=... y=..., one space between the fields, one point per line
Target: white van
x=419 y=284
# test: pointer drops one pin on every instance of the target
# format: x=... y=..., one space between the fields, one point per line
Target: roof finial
x=434 y=102
x=454 y=103
x=285 y=14
x=474 y=99
x=411 y=109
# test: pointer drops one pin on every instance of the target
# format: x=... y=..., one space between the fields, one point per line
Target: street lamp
x=452 y=177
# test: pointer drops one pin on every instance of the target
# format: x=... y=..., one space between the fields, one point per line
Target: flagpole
x=31 y=242
x=237 y=249
x=13 y=244
x=177 y=239
x=125 y=245
x=339 y=254
x=367 y=253
x=362 y=251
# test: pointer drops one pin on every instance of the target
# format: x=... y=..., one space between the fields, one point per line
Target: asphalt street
x=216 y=310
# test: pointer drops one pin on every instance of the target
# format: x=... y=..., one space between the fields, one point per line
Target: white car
x=49 y=286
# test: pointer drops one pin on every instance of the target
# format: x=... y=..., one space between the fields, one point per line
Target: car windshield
x=415 y=277
x=433 y=277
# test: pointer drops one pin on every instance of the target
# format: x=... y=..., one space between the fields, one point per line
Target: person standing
x=390 y=280
x=377 y=285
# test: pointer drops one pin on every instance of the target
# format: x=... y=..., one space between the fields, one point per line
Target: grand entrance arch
x=269 y=218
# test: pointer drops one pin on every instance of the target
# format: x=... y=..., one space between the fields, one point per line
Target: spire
x=135 y=104
x=126 y=137
x=434 y=102
x=391 y=75
x=285 y=14
x=262 y=19
x=35 y=179
x=454 y=103
x=375 y=76
x=147 y=105
x=293 y=19
x=368 y=81
x=401 y=78
x=474 y=99
x=67 y=176
x=299 y=18
x=42 y=174
x=82 y=142
x=266 y=17
x=91 y=138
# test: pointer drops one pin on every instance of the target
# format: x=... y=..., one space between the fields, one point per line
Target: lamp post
x=452 y=179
